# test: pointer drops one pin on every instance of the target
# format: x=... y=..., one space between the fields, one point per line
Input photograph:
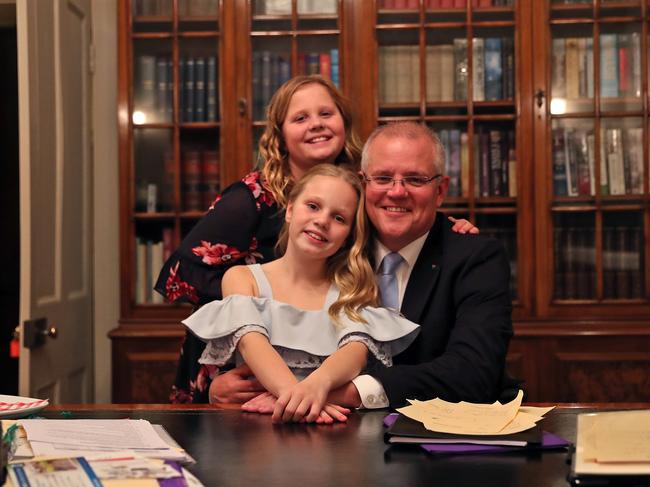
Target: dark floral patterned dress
x=241 y=227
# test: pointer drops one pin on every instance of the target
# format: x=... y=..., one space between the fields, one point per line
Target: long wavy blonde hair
x=272 y=147
x=349 y=267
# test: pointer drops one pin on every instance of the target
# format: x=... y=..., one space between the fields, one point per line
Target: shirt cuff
x=371 y=392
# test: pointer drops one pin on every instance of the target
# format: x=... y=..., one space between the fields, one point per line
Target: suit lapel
x=426 y=271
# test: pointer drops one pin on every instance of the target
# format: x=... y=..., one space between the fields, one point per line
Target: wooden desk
x=240 y=449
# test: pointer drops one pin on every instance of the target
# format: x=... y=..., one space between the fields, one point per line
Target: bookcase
x=542 y=107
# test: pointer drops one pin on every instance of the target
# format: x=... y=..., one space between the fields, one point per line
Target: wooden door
x=54 y=39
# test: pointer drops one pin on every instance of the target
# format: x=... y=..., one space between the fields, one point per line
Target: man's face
x=400 y=213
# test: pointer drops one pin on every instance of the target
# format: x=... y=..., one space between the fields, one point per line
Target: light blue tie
x=387 y=280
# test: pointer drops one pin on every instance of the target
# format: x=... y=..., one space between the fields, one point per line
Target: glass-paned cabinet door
x=175 y=129
x=290 y=39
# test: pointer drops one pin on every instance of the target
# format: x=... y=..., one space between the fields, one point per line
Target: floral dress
x=241 y=227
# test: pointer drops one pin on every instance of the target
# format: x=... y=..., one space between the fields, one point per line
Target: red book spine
x=192 y=200
x=211 y=177
x=325 y=65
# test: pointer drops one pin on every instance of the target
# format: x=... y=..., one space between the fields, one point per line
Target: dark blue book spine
x=199 y=89
x=161 y=89
x=334 y=54
x=493 y=69
x=181 y=89
x=170 y=90
x=189 y=89
x=266 y=77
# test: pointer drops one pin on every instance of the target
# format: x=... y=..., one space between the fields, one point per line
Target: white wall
x=106 y=191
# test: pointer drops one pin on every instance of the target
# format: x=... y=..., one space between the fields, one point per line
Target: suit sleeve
x=480 y=327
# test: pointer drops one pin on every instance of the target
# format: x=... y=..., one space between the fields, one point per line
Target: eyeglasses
x=387 y=182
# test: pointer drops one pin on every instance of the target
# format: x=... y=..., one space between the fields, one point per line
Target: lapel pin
x=433 y=266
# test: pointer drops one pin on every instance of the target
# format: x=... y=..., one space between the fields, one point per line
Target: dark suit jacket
x=458 y=292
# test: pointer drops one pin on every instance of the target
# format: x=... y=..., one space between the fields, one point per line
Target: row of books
x=283 y=7
x=155 y=86
x=621 y=162
x=201 y=181
x=433 y=4
x=575 y=264
x=185 y=7
x=620 y=66
x=150 y=255
x=495 y=160
x=508 y=237
x=271 y=69
x=447 y=72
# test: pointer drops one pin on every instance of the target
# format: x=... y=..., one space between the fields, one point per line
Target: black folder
x=407 y=430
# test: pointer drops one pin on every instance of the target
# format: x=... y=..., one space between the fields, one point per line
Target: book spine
x=335 y=70
x=572 y=70
x=478 y=72
x=558 y=80
x=493 y=69
x=156 y=264
x=484 y=151
x=609 y=283
x=192 y=199
x=181 y=89
x=460 y=71
x=495 y=163
x=189 y=89
x=211 y=89
x=608 y=66
x=559 y=163
x=447 y=72
x=508 y=66
x=512 y=165
x=211 y=177
x=199 y=89
x=454 y=163
x=147 y=85
x=464 y=164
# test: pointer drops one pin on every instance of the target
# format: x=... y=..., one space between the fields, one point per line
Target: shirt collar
x=409 y=253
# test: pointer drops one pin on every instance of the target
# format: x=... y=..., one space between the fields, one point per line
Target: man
x=456 y=287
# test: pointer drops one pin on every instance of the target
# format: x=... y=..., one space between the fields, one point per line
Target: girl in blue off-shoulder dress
x=309 y=321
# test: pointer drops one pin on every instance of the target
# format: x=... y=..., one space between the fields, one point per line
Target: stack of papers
x=96 y=452
x=79 y=437
x=613 y=444
x=437 y=421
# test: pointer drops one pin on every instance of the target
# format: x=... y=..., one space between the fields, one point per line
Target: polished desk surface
x=233 y=448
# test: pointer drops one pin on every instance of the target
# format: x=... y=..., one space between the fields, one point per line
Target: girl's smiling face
x=322 y=216
x=313 y=129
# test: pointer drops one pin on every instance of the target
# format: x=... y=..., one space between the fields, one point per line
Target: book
x=460 y=69
x=334 y=66
x=608 y=66
x=146 y=88
x=211 y=89
x=572 y=67
x=188 y=96
x=558 y=68
x=493 y=69
x=191 y=171
x=464 y=164
x=478 y=72
x=560 y=187
x=447 y=72
x=407 y=430
x=199 y=89
x=210 y=171
x=433 y=73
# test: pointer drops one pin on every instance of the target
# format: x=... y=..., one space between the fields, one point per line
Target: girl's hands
x=265 y=404
x=304 y=400
x=463 y=226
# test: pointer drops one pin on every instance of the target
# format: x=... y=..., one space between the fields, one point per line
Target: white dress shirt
x=370 y=389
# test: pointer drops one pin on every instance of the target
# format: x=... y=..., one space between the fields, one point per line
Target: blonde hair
x=273 y=151
x=349 y=267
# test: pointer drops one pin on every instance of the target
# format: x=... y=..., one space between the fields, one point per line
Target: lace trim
x=220 y=351
x=380 y=350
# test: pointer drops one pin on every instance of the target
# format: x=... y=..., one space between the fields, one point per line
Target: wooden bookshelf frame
x=583 y=338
